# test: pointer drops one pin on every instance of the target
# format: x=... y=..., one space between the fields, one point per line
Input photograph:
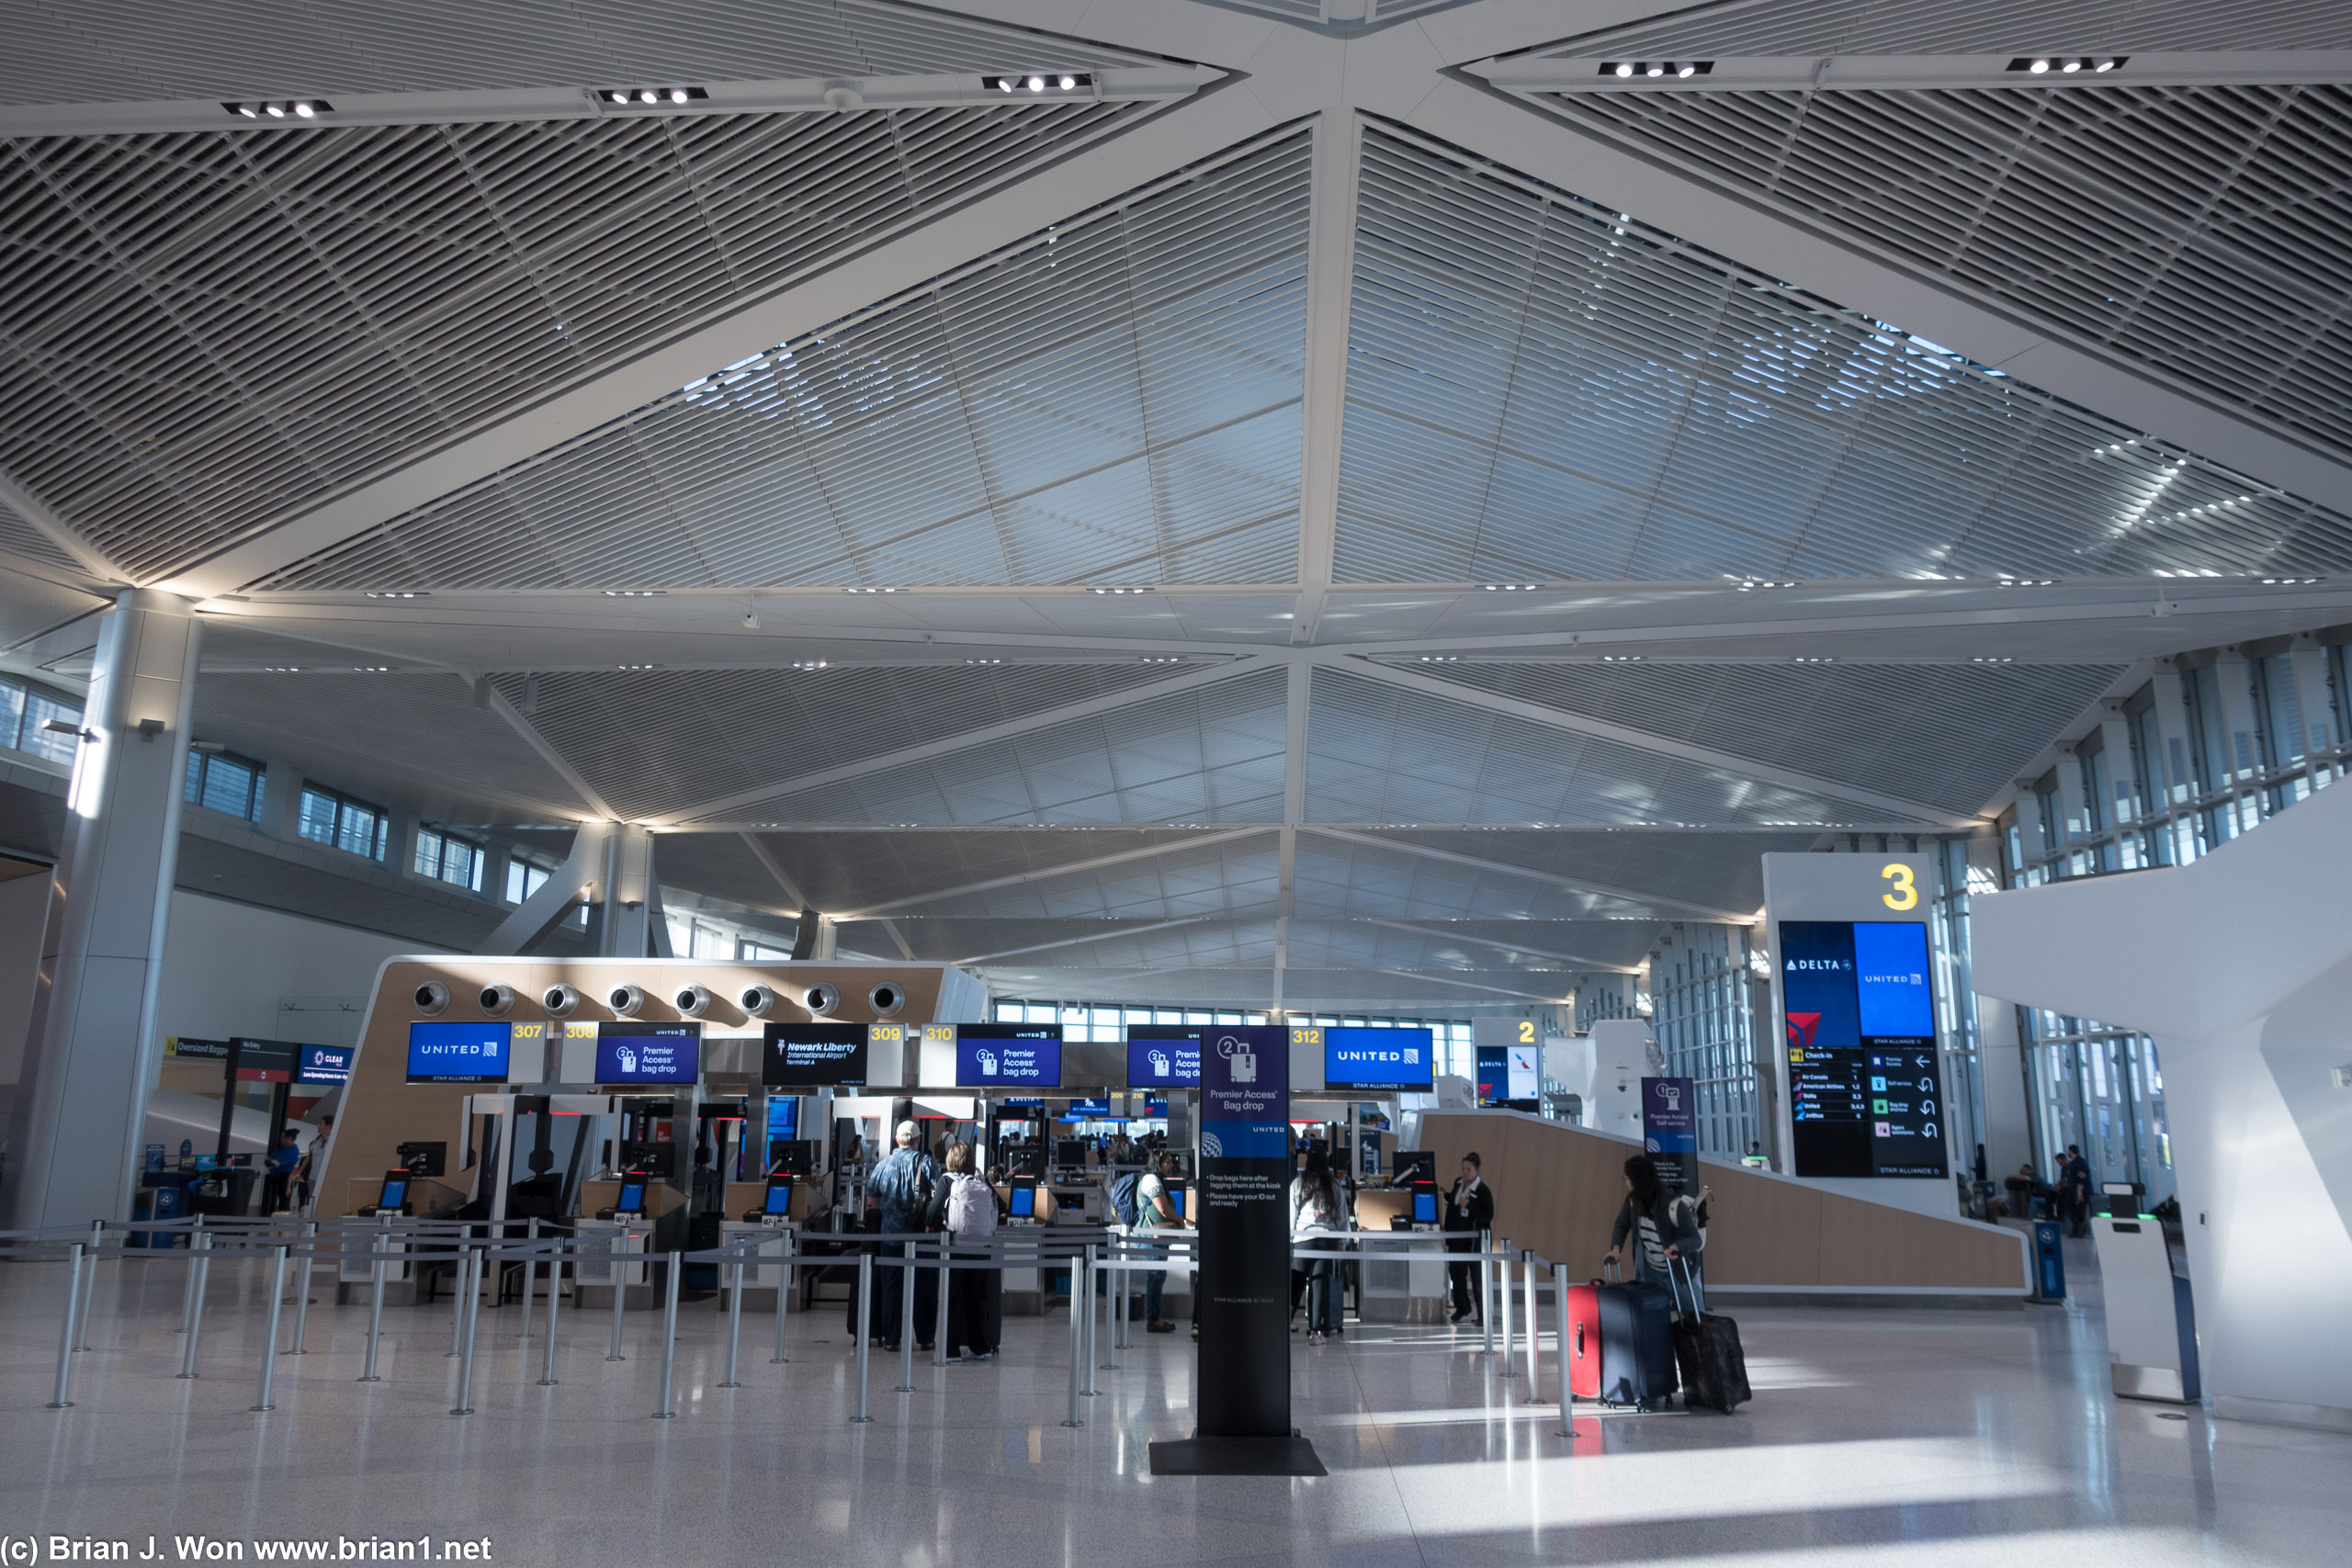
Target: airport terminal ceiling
x=1330 y=506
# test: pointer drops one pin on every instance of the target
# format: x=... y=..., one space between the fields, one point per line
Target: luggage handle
x=1688 y=1281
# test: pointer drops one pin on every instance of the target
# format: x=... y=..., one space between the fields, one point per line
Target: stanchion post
x=530 y=1273
x=1502 y=1283
x=620 y=1290
x=1078 y=1283
x=302 y=1288
x=380 y=1245
x=784 y=1293
x=1485 y=1293
x=670 y=1333
x=1534 y=1352
x=555 y=1301
x=269 y=1346
x=863 y=1336
x=90 y=1291
x=201 y=1263
x=907 y=1317
x=465 y=1406
x=65 y=1343
x=1560 y=1352
x=458 y=1301
x=188 y=1297
x=939 y=1314
x=734 y=1329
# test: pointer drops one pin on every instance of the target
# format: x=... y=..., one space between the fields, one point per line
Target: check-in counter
x=661 y=1198
x=1398 y=1289
x=596 y=1270
x=749 y=1197
x=426 y=1194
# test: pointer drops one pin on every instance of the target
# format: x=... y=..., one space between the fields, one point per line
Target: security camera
x=498 y=1000
x=562 y=1001
x=887 y=998
x=626 y=1000
x=692 y=1002
x=758 y=1000
x=431 y=996
x=820 y=1000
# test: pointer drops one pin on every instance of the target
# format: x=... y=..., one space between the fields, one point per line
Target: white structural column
x=626 y=920
x=92 y=1042
x=2240 y=965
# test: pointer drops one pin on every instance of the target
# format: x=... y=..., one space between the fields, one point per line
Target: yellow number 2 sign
x=1903 y=896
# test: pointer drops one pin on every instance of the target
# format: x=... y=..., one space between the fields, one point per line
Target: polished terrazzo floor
x=1876 y=1436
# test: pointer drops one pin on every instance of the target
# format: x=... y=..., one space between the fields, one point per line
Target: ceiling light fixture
x=398 y=594
x=281 y=669
x=1682 y=70
x=640 y=667
x=1440 y=659
x=801 y=664
x=1622 y=657
x=2027 y=582
x=984 y=661
x=2066 y=65
x=1036 y=83
x=635 y=593
x=1118 y=590
x=300 y=109
x=1991 y=659
x=1767 y=582
x=1163 y=659
x=1510 y=587
x=869 y=591
x=371 y=669
x=648 y=97
x=1815 y=659
x=2290 y=581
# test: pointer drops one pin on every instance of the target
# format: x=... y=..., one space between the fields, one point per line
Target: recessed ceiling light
x=282 y=668
x=635 y=593
x=640 y=667
x=984 y=661
x=1036 y=83
x=801 y=664
x=869 y=591
x=1622 y=657
x=1815 y=659
x=1509 y=587
x=1625 y=68
x=398 y=594
x=371 y=669
x=1991 y=659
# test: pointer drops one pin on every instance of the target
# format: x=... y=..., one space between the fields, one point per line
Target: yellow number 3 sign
x=1904 y=895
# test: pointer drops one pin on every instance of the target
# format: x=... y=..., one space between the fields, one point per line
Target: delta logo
x=1801 y=1028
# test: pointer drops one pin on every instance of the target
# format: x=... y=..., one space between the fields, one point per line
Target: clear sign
x=322 y=1063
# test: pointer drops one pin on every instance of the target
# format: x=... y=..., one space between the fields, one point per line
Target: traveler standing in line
x=1155 y=1211
x=1316 y=1220
x=277 y=1188
x=971 y=1292
x=2075 y=1181
x=899 y=1191
x=314 y=1160
x=1469 y=1209
x=1661 y=1230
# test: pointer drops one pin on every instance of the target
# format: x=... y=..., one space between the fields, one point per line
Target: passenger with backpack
x=973 y=1294
x=1153 y=1212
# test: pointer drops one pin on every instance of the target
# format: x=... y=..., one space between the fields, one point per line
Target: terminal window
x=223 y=783
x=342 y=823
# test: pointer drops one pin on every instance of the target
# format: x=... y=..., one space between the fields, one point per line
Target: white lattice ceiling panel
x=1951 y=735
x=662 y=741
x=1815 y=28
x=1539 y=387
x=1340 y=880
x=1107 y=397
x=210 y=332
x=855 y=871
x=1714 y=871
x=1378 y=754
x=1210 y=755
x=234 y=49
x=2201 y=230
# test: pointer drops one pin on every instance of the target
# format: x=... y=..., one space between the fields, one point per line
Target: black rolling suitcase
x=1636 y=1344
x=1706 y=1348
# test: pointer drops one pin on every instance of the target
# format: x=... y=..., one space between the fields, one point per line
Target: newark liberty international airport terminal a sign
x=1243 y=1389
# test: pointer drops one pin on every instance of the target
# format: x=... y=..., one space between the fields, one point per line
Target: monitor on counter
x=395 y=1193
x=1017 y=1055
x=1425 y=1208
x=1022 y=1201
x=779 y=1196
x=631 y=1054
x=441 y=1052
x=814 y=1055
x=632 y=1198
x=1377 y=1059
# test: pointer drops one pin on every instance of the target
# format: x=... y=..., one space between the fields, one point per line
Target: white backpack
x=971 y=1208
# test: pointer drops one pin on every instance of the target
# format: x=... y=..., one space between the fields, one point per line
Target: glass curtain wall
x=1706 y=1028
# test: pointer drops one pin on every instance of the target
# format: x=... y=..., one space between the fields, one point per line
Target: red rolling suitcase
x=1580 y=1348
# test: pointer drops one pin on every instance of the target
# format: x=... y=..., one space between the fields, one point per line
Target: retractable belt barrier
x=378 y=1241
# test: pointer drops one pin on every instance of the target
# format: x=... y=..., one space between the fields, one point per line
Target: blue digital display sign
x=1376 y=1058
x=1164 y=1056
x=1023 y=1055
x=632 y=1053
x=1859 y=1010
x=322 y=1063
x=457 y=1053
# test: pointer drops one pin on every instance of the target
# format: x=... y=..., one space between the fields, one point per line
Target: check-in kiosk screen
x=1021 y=1055
x=1859 y=1010
x=440 y=1052
x=631 y=1053
x=1164 y=1056
x=779 y=1198
x=814 y=1055
x=1425 y=1208
x=1023 y=1201
x=1391 y=1059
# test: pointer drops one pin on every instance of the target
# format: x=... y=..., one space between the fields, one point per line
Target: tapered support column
x=92 y=1040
